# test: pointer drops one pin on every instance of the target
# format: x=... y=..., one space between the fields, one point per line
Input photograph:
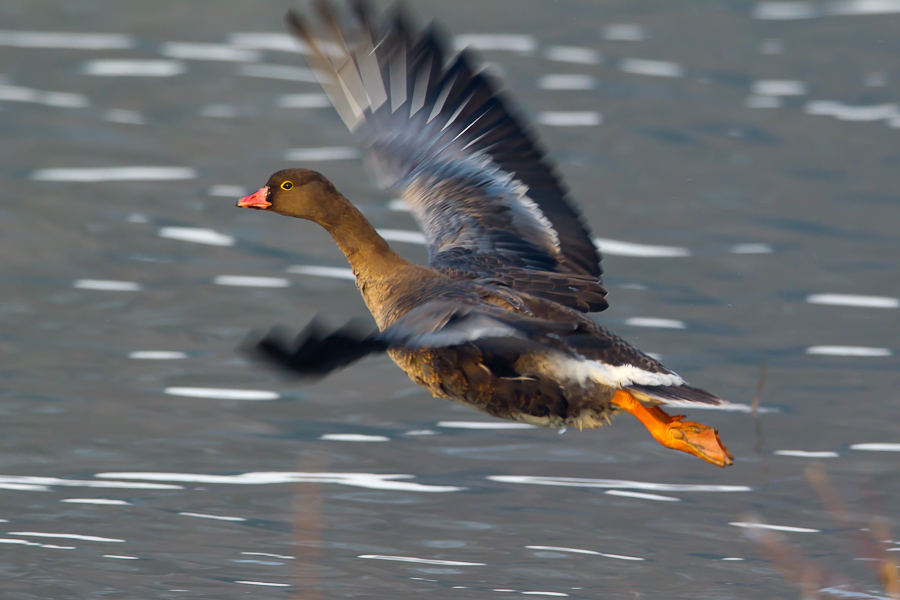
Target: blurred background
x=738 y=163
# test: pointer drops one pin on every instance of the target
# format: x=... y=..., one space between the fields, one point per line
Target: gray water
x=147 y=476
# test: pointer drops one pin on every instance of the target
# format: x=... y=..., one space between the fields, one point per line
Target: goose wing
x=439 y=133
x=318 y=349
x=593 y=351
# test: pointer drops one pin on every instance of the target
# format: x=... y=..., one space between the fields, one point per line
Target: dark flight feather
x=442 y=133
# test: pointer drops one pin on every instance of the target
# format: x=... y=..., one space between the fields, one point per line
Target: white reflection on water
x=194 y=51
x=66 y=536
x=845 y=112
x=399 y=205
x=14 y=93
x=267 y=41
x=133 y=68
x=264 y=583
x=729 y=407
x=269 y=555
x=70 y=41
x=655 y=322
x=115 y=174
x=784 y=11
x=353 y=437
x=484 y=425
x=333 y=272
x=197 y=235
x=23 y=487
x=27 y=543
x=401 y=235
x=121 y=557
x=863 y=7
x=569 y=118
x=213 y=517
x=372 y=481
x=751 y=248
x=616 y=484
x=157 y=355
x=424 y=561
x=107 y=286
x=100 y=501
x=572 y=54
x=567 y=82
x=580 y=551
x=653 y=68
x=750 y=525
x=496 y=41
x=848 y=351
x=228 y=191
x=641 y=496
x=251 y=281
x=321 y=154
x=619 y=248
x=222 y=393
x=807 y=453
x=877 y=447
x=854 y=300
x=844 y=592
x=304 y=101
x=43 y=484
x=778 y=87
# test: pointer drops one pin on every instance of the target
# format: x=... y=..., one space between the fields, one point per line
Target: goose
x=498 y=320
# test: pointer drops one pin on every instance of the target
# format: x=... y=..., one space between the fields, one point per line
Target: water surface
x=738 y=164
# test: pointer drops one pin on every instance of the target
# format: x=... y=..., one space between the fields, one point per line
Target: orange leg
x=675 y=433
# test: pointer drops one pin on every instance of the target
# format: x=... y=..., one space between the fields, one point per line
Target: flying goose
x=498 y=319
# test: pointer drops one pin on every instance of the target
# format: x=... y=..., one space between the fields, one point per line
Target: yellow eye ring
x=287 y=185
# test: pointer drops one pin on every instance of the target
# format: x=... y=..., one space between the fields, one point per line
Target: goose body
x=498 y=320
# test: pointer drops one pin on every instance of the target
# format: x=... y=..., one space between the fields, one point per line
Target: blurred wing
x=480 y=188
x=319 y=350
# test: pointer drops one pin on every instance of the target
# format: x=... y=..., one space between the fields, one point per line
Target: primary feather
x=440 y=133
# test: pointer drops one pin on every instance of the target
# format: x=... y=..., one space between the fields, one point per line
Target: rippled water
x=738 y=163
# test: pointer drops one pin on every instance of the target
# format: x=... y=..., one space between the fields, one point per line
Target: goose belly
x=528 y=390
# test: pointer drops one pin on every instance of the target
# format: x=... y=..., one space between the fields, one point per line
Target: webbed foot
x=676 y=433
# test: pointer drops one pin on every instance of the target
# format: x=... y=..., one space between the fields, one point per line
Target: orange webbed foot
x=697 y=439
x=674 y=432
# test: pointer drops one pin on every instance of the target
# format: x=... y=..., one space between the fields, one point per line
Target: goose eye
x=287 y=185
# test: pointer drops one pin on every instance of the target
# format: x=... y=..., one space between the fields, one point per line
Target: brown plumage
x=497 y=320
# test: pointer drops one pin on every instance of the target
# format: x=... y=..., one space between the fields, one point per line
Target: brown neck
x=369 y=255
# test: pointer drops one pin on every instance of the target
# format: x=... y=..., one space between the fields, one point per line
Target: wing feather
x=318 y=350
x=441 y=133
